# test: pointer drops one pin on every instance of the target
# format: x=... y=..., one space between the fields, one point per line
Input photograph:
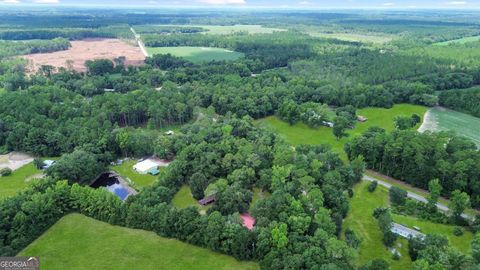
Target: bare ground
x=14 y=160
x=88 y=49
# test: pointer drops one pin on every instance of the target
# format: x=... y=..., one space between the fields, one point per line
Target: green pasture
x=77 y=242
x=458 y=41
x=300 y=133
x=197 y=54
x=354 y=37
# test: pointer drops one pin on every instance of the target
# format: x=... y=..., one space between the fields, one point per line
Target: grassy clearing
x=458 y=41
x=354 y=37
x=197 y=54
x=18 y=180
x=98 y=245
x=361 y=221
x=302 y=134
x=441 y=119
x=184 y=199
x=126 y=170
x=462 y=243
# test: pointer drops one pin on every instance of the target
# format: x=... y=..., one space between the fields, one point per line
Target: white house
x=145 y=166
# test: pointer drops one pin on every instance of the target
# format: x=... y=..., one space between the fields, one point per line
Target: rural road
x=140 y=42
x=411 y=195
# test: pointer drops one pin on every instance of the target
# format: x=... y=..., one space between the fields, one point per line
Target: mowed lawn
x=126 y=171
x=184 y=198
x=18 y=180
x=77 y=242
x=442 y=119
x=360 y=220
x=197 y=54
x=302 y=134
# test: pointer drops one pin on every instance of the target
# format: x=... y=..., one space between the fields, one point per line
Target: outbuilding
x=145 y=166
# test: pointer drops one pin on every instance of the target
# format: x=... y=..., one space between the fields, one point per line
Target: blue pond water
x=112 y=184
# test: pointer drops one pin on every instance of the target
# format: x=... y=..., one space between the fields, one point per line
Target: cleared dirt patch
x=88 y=49
x=14 y=160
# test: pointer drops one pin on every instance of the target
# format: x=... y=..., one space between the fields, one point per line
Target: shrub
x=457 y=231
x=352 y=239
x=373 y=185
x=5 y=172
x=398 y=196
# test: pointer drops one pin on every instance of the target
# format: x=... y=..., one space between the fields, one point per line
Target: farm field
x=355 y=37
x=300 y=133
x=360 y=220
x=442 y=119
x=88 y=49
x=197 y=54
x=18 y=180
x=126 y=170
x=458 y=41
x=99 y=245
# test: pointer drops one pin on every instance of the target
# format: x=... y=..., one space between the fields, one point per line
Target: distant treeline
x=68 y=33
x=11 y=48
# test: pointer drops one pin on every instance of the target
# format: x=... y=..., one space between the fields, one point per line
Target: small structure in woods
x=169 y=133
x=248 y=220
x=207 y=200
x=47 y=164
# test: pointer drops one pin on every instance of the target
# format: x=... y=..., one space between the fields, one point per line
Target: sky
x=298 y=4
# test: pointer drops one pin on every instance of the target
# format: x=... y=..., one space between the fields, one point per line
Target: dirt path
x=14 y=160
x=139 y=42
x=428 y=123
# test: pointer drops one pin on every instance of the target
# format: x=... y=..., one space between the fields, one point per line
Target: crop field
x=355 y=37
x=197 y=54
x=98 y=245
x=360 y=220
x=126 y=170
x=300 y=133
x=458 y=41
x=442 y=119
x=89 y=49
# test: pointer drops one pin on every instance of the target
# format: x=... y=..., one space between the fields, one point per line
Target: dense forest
x=90 y=119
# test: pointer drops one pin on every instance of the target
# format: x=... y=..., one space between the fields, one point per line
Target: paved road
x=411 y=195
x=140 y=42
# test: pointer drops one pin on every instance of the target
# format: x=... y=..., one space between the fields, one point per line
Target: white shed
x=145 y=166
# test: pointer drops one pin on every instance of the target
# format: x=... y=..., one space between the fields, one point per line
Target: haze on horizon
x=245 y=4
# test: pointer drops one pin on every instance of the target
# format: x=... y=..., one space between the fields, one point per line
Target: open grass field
x=258 y=194
x=197 y=54
x=458 y=41
x=462 y=243
x=302 y=134
x=126 y=171
x=88 y=49
x=18 y=180
x=77 y=242
x=360 y=220
x=355 y=37
x=441 y=119
x=184 y=199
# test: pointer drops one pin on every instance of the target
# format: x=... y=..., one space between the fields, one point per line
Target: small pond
x=115 y=184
